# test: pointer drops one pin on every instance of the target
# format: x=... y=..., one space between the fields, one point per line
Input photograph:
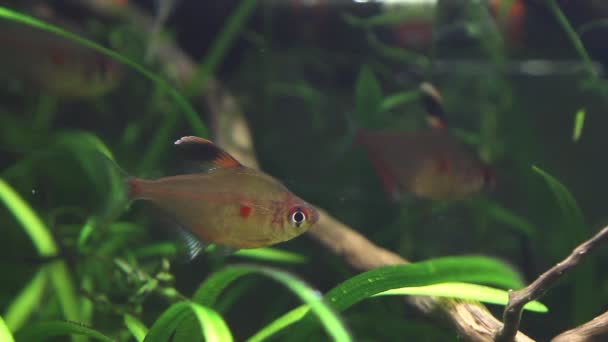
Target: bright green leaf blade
x=466 y=291
x=579 y=122
x=212 y=326
x=33 y=226
x=45 y=330
x=272 y=254
x=136 y=327
x=368 y=97
x=5 y=333
x=45 y=245
x=193 y=118
x=209 y=291
x=280 y=323
x=26 y=302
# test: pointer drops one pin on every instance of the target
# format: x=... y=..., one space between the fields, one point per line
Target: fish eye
x=298 y=216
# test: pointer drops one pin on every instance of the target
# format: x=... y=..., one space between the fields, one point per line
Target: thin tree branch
x=517 y=299
x=594 y=330
x=472 y=321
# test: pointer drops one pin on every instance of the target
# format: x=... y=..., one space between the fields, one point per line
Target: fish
x=227 y=204
x=430 y=163
x=54 y=65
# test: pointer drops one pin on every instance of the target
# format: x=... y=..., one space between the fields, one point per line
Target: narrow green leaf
x=33 y=226
x=5 y=333
x=503 y=215
x=209 y=291
x=193 y=118
x=573 y=214
x=272 y=254
x=281 y=323
x=136 y=327
x=212 y=326
x=573 y=230
x=20 y=309
x=579 y=121
x=221 y=45
x=45 y=245
x=368 y=96
x=46 y=330
x=466 y=291
x=392 y=101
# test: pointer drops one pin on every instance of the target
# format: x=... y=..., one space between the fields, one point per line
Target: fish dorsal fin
x=205 y=152
x=433 y=104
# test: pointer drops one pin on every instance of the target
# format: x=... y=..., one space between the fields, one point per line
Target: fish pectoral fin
x=205 y=152
x=194 y=246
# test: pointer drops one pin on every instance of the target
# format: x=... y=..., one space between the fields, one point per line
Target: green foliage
x=579 y=122
x=209 y=291
x=210 y=322
x=464 y=291
x=5 y=333
x=45 y=330
x=415 y=275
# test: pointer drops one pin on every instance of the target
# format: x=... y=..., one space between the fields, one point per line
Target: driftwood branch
x=517 y=299
x=472 y=321
x=594 y=330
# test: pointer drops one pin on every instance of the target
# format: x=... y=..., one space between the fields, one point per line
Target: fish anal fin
x=205 y=152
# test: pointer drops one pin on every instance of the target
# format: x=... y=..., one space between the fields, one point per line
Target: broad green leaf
x=466 y=291
x=212 y=326
x=216 y=283
x=20 y=309
x=46 y=330
x=448 y=269
x=368 y=96
x=45 y=245
x=579 y=122
x=272 y=254
x=452 y=290
x=193 y=118
x=440 y=270
x=136 y=327
x=5 y=333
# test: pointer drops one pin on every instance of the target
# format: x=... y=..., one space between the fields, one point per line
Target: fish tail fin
x=122 y=188
x=433 y=104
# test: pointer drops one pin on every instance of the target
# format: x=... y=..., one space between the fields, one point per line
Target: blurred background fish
x=53 y=64
x=431 y=163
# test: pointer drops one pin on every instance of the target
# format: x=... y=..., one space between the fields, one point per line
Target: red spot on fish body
x=245 y=211
x=443 y=165
x=57 y=58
